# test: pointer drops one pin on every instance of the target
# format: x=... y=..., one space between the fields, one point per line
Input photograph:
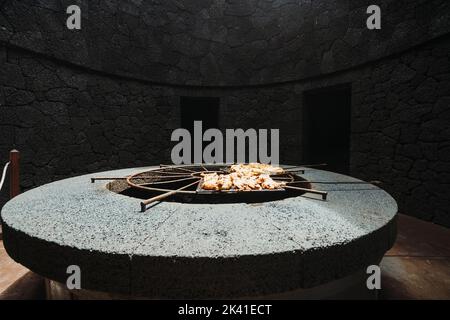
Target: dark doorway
x=326 y=123
x=205 y=109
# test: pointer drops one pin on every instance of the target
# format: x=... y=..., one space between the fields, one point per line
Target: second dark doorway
x=326 y=127
x=205 y=109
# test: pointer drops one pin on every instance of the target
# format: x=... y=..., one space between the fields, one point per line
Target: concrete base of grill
x=200 y=251
x=350 y=287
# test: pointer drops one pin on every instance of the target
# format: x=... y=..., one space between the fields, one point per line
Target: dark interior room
x=224 y=149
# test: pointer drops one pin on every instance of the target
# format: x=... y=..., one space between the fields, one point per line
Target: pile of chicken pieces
x=244 y=177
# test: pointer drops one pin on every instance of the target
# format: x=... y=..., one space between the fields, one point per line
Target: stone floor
x=10 y=271
x=417 y=267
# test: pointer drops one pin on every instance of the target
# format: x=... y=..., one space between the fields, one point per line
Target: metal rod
x=138 y=186
x=375 y=182
x=184 y=169
x=322 y=193
x=160 y=197
x=294 y=170
x=164 y=165
x=14 y=160
x=176 y=167
x=167 y=172
x=139 y=177
x=164 y=177
x=211 y=171
x=282 y=177
x=307 y=165
x=168 y=181
x=107 y=178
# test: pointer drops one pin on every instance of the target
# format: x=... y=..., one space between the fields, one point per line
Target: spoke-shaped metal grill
x=169 y=180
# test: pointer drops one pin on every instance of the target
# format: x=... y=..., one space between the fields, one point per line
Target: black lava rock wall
x=221 y=42
x=73 y=107
x=401 y=130
x=67 y=121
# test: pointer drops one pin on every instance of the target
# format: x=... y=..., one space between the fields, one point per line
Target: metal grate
x=169 y=180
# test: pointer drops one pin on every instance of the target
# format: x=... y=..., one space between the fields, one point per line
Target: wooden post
x=14 y=181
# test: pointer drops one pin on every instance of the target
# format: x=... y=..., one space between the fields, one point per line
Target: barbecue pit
x=296 y=246
x=187 y=180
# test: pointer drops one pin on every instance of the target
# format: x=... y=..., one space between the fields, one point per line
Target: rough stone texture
x=188 y=250
x=401 y=130
x=221 y=42
x=67 y=120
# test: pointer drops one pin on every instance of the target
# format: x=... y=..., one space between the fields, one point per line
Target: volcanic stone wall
x=221 y=42
x=401 y=129
x=400 y=126
x=107 y=96
x=67 y=121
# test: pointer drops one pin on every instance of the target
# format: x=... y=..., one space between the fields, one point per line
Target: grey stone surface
x=68 y=120
x=183 y=250
x=82 y=122
x=221 y=42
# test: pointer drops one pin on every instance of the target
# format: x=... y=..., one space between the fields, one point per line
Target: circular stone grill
x=199 y=249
